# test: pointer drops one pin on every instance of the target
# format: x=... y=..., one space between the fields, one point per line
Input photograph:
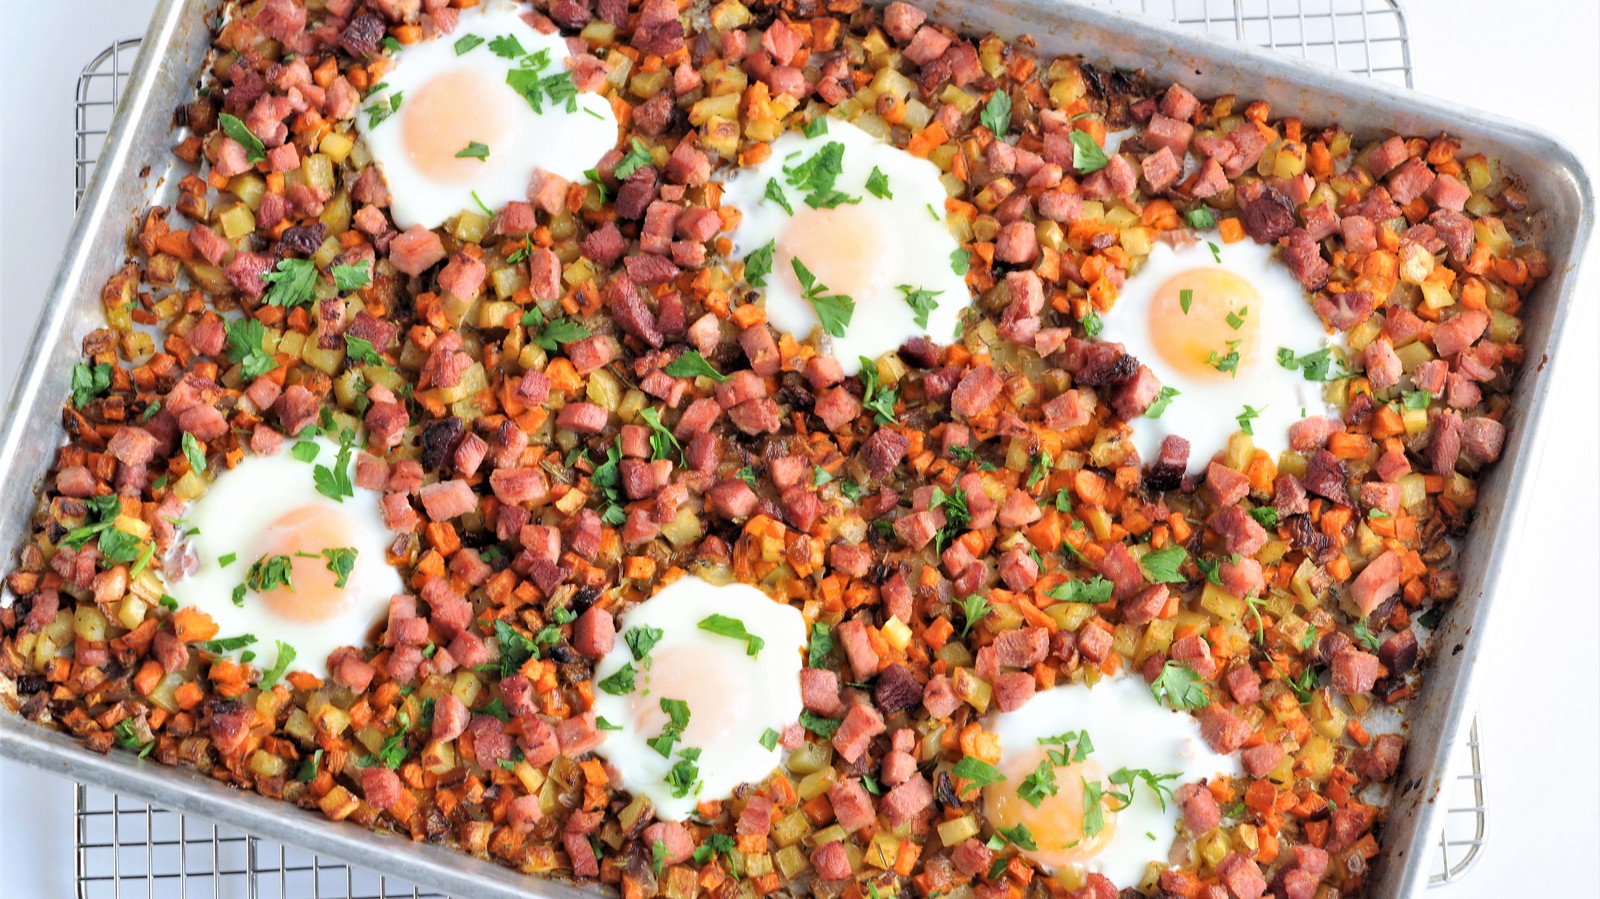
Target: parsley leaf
x=996 y=115
x=294 y=283
x=1313 y=366
x=1180 y=687
x=691 y=365
x=466 y=43
x=620 y=682
x=833 y=311
x=822 y=727
x=507 y=46
x=821 y=644
x=191 y=452
x=637 y=157
x=769 y=740
x=1236 y=319
x=219 y=647
x=1041 y=783
x=817 y=127
x=1095 y=590
x=358 y=349
x=334 y=483
x=1185 y=300
x=89 y=382
x=1249 y=415
x=641 y=640
x=873 y=395
x=960 y=260
x=279 y=667
x=758 y=265
x=1086 y=154
x=351 y=277
x=1227 y=363
x=559 y=332
x=1161 y=566
x=341 y=561
x=1365 y=636
x=1266 y=516
x=878 y=184
x=474 y=150
x=921 y=301
x=515 y=648
x=975 y=608
x=662 y=442
x=776 y=195
x=268 y=573
x=1200 y=218
x=245 y=349
x=725 y=626
x=1162 y=401
x=1415 y=400
x=977 y=772
x=255 y=150
x=1040 y=467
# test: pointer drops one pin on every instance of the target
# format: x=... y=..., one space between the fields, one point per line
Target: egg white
x=229 y=519
x=560 y=141
x=915 y=246
x=1129 y=729
x=1207 y=412
x=737 y=697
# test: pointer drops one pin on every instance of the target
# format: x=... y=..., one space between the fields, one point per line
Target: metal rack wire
x=128 y=848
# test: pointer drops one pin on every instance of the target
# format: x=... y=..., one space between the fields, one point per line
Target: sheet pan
x=134 y=169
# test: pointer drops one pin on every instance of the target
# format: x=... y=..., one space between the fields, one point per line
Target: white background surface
x=1532 y=59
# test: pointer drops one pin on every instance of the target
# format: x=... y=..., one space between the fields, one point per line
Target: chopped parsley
x=1092 y=325
x=975 y=608
x=1365 y=636
x=921 y=301
x=1162 y=401
x=1249 y=415
x=637 y=157
x=1227 y=363
x=775 y=194
x=1095 y=590
x=467 y=42
x=359 y=349
x=1236 y=319
x=641 y=640
x=1200 y=218
x=1313 y=366
x=874 y=396
x=192 y=452
x=294 y=283
x=977 y=772
x=878 y=184
x=620 y=682
x=821 y=644
x=269 y=573
x=245 y=349
x=559 y=332
x=996 y=115
x=815 y=177
x=817 y=127
x=834 y=311
x=279 y=667
x=351 y=277
x=474 y=150
x=758 y=265
x=1041 y=467
x=255 y=150
x=662 y=442
x=1266 y=516
x=724 y=626
x=960 y=260
x=515 y=648
x=822 y=727
x=1036 y=786
x=1087 y=156
x=769 y=739
x=968 y=454
x=89 y=382
x=218 y=647
x=1185 y=299
x=1161 y=565
x=1180 y=686
x=677 y=719
x=956 y=514
x=507 y=46
x=334 y=483
x=341 y=561
x=685 y=774
x=692 y=365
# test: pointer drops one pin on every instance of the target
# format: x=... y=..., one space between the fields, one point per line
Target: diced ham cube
x=852 y=806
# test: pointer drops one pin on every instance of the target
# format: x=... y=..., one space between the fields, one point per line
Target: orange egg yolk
x=447 y=114
x=1200 y=317
x=842 y=247
x=700 y=680
x=302 y=534
x=1057 y=825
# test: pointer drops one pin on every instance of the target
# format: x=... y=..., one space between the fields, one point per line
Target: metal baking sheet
x=134 y=168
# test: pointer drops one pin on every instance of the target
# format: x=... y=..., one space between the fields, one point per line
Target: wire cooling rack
x=126 y=848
